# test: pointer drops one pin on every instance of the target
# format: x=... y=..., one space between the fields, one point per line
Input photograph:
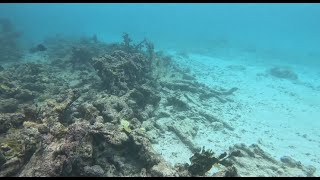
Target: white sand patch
x=173 y=150
x=280 y=115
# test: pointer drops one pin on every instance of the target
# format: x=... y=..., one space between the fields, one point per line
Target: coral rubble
x=92 y=110
x=73 y=130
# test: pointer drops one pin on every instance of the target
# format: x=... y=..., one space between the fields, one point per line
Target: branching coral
x=121 y=71
x=126 y=41
x=138 y=48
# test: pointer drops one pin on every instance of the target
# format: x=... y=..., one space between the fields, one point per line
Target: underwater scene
x=161 y=89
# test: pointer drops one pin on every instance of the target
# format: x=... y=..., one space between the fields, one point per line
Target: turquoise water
x=290 y=27
x=270 y=52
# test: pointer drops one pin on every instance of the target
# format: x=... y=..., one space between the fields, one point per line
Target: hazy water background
x=291 y=30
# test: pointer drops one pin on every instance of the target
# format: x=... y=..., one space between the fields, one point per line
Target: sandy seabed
x=279 y=115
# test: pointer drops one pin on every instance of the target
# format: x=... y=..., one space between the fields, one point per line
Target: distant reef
x=10 y=51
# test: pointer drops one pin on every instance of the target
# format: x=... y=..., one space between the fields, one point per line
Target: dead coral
x=17 y=147
x=194 y=87
x=177 y=103
x=121 y=71
x=24 y=82
x=10 y=120
x=138 y=48
x=127 y=155
x=80 y=135
x=71 y=135
x=61 y=108
x=184 y=138
x=143 y=100
x=33 y=113
x=253 y=161
x=126 y=41
x=81 y=56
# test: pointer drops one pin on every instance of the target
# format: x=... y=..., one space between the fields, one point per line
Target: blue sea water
x=229 y=33
x=289 y=27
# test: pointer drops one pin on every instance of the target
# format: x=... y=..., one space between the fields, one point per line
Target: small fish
x=39 y=47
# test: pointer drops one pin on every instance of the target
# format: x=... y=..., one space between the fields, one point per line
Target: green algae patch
x=124 y=126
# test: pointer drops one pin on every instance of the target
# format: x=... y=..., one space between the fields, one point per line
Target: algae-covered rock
x=10 y=120
x=121 y=71
x=18 y=143
x=11 y=167
x=124 y=125
x=93 y=171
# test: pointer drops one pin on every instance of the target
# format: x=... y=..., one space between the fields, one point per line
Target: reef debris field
x=96 y=109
